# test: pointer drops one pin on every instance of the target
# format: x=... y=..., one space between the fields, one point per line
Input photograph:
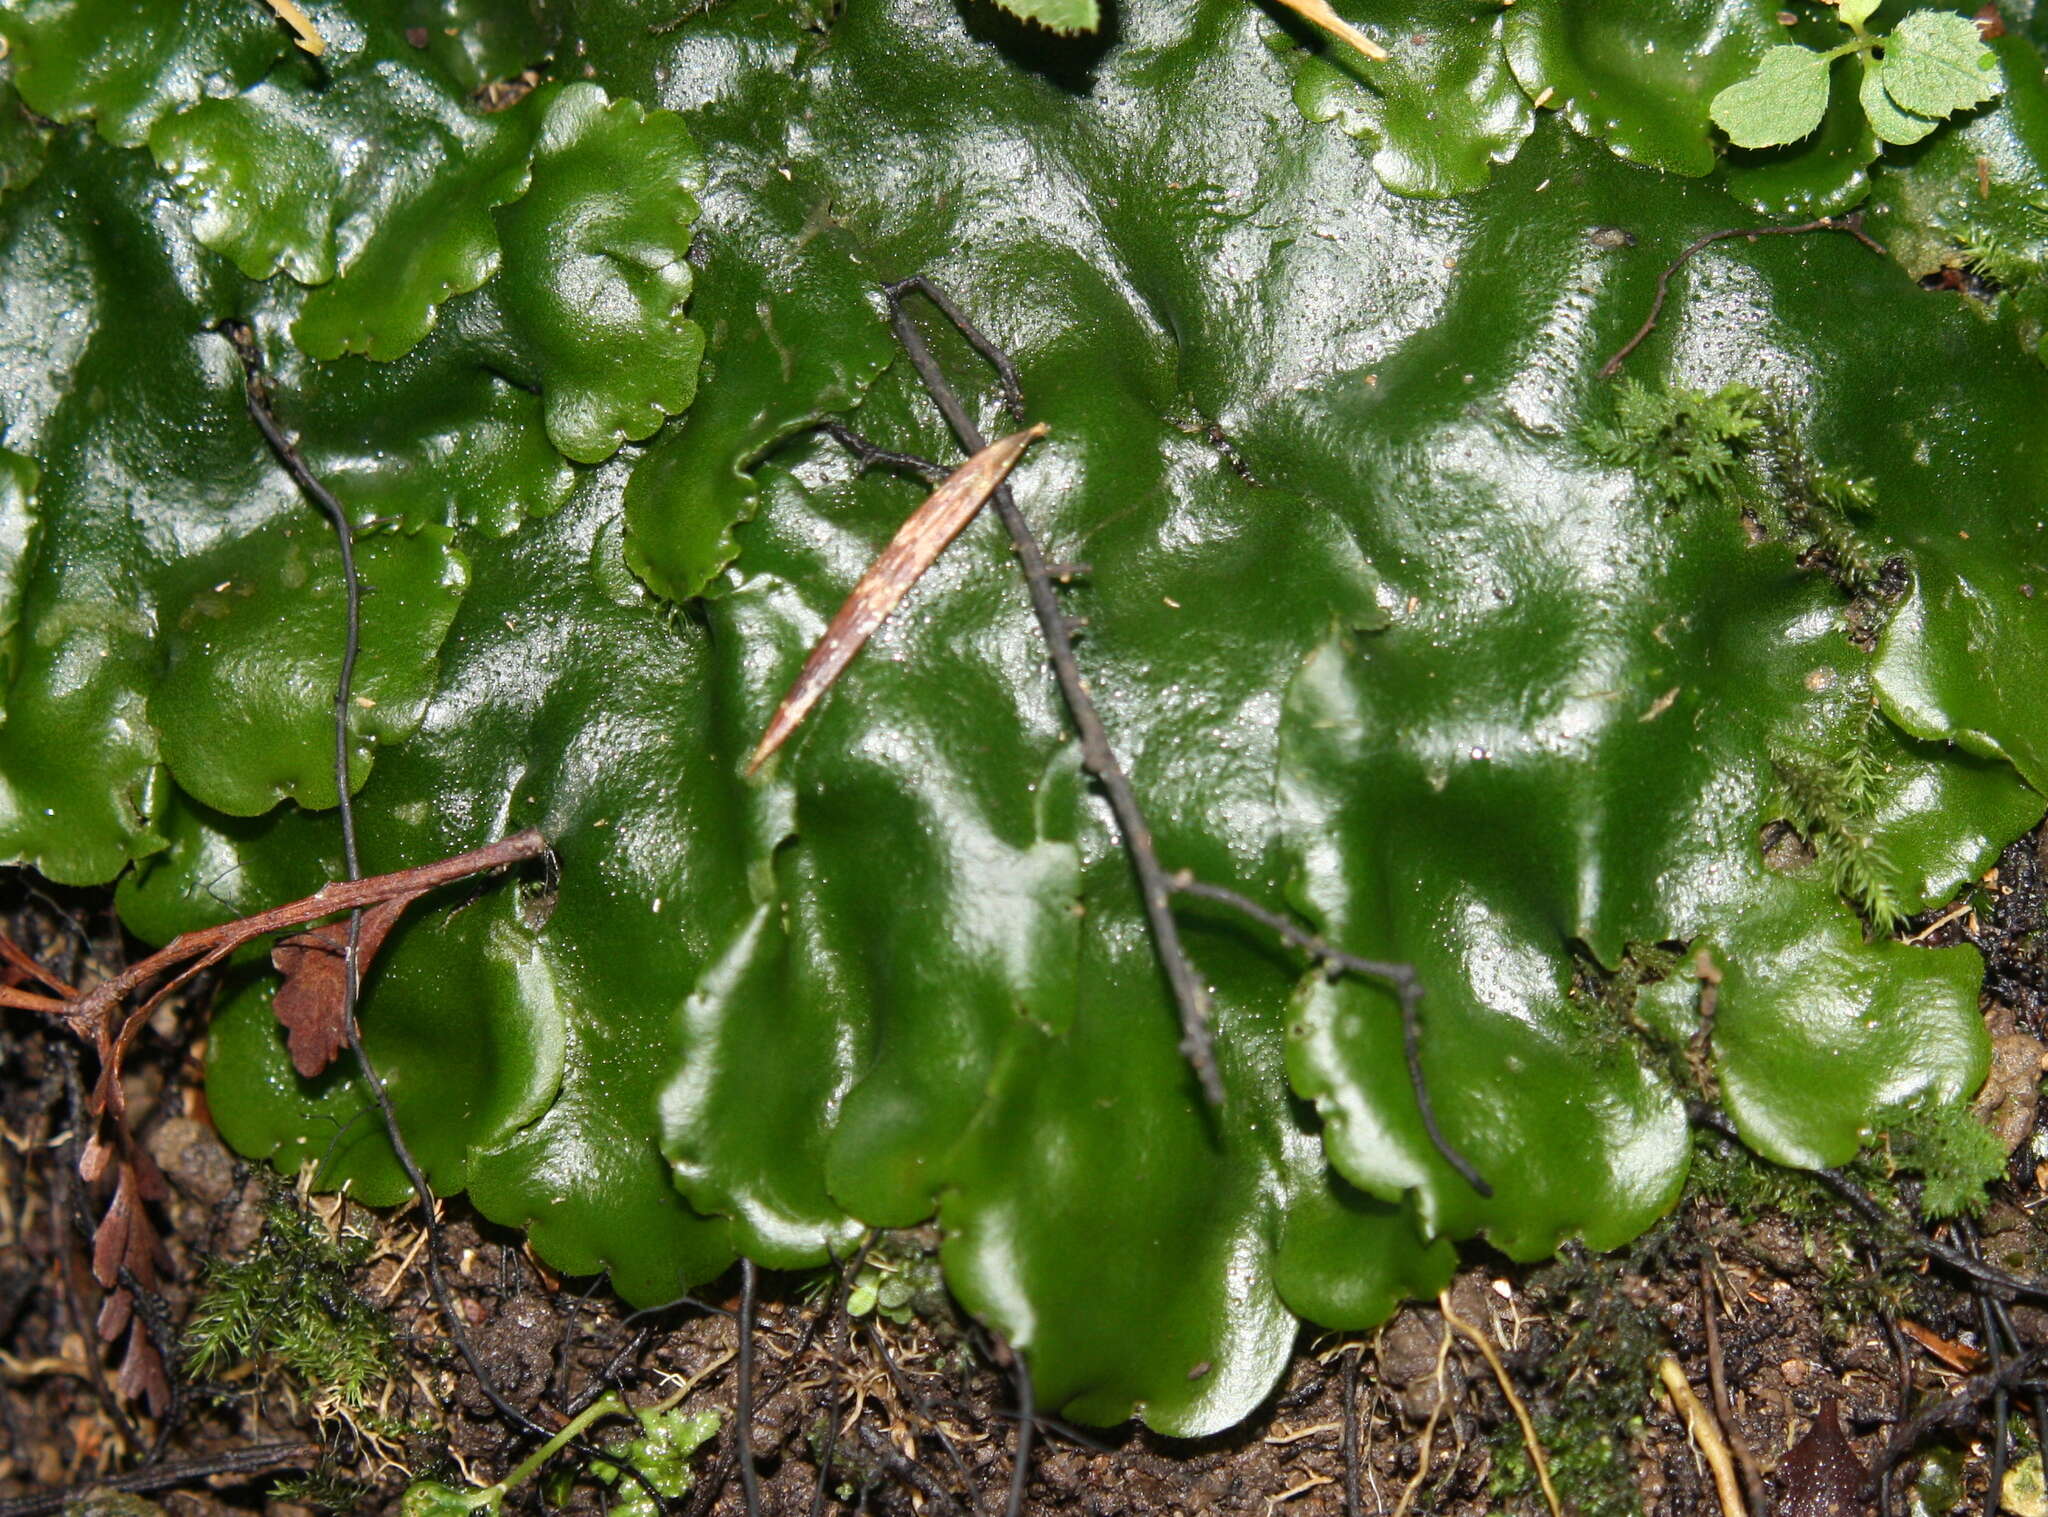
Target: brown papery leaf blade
x=127 y=1257
x=914 y=548
x=312 y=1001
x=1319 y=12
x=1820 y=1475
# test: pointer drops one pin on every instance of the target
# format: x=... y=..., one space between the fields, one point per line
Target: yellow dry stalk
x=1319 y=12
x=304 y=32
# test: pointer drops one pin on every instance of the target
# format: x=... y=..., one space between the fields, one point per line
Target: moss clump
x=1736 y=448
x=1595 y=1384
x=1684 y=445
x=1856 y=1284
x=1956 y=1157
x=287 y=1306
x=1831 y=802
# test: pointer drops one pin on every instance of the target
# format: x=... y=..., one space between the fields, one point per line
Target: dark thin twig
x=1717 y=1382
x=868 y=456
x=844 y=1323
x=1987 y=1325
x=2002 y=1315
x=743 y=1412
x=708 y=1493
x=1904 y=1359
x=249 y=1461
x=154 y=1318
x=906 y=1470
x=1097 y=756
x=609 y=1377
x=2007 y=1331
x=1962 y=1404
x=1006 y=371
x=257 y=392
x=995 y=1351
x=1998 y=1280
x=1027 y=1416
x=907 y=1388
x=1155 y=887
x=256 y=387
x=1853 y=225
x=1402 y=978
x=1352 y=1502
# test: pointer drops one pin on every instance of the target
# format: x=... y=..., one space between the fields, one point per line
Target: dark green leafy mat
x=1801 y=1301
x=1631 y=715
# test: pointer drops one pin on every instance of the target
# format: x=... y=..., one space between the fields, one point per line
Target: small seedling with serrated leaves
x=1926 y=69
x=1058 y=15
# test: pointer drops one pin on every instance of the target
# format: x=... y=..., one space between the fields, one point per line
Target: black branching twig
x=743 y=1402
x=1156 y=886
x=2001 y=1283
x=1959 y=1406
x=2001 y=1337
x=1027 y=1415
x=1334 y=961
x=257 y=388
x=1994 y=1349
x=161 y=1477
x=1852 y=224
x=1100 y=760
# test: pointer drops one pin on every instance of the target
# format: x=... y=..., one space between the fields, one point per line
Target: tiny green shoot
x=660 y=1453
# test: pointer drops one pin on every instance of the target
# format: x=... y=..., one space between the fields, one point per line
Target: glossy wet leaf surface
x=87 y=60
x=282 y=177
x=1642 y=78
x=1385 y=635
x=1439 y=112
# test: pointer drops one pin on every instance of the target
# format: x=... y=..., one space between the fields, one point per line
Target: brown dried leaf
x=94 y=1157
x=1957 y=1356
x=312 y=1002
x=143 y=1376
x=126 y=1239
x=1820 y=1475
x=914 y=548
x=110 y=1241
x=127 y=1255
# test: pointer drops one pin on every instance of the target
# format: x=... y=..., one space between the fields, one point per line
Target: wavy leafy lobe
x=1389 y=636
x=1441 y=109
x=590 y=309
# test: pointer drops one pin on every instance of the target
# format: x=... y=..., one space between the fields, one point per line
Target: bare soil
x=1808 y=1305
